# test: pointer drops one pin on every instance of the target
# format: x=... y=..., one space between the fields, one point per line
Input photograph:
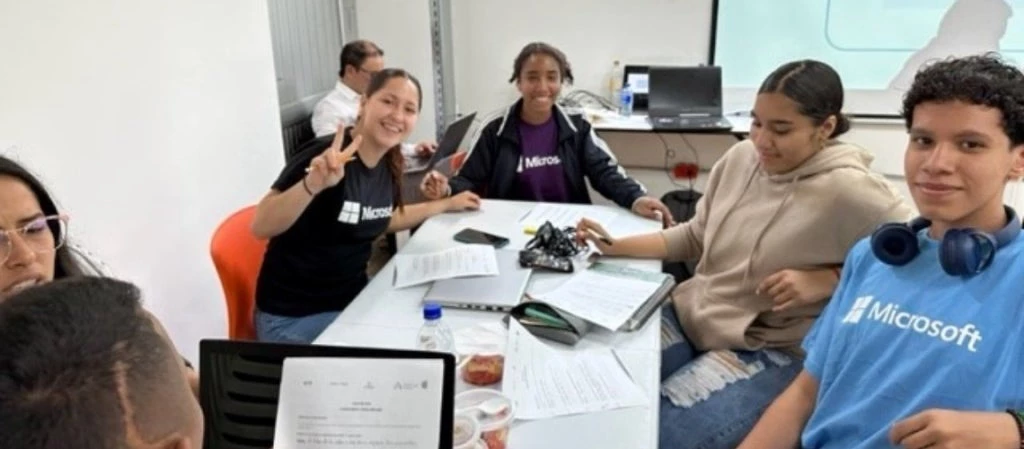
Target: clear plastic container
x=466 y=434
x=483 y=369
x=493 y=428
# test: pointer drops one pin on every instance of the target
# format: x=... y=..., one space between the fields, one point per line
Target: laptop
x=494 y=293
x=449 y=144
x=686 y=99
x=240 y=384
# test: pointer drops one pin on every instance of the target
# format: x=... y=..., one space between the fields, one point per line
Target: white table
x=385 y=317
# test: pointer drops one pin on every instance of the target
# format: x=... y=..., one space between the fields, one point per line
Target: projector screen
x=875 y=45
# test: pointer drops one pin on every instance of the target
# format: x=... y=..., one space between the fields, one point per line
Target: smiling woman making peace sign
x=329 y=204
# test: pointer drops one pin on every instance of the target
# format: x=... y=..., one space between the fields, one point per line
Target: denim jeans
x=712 y=400
x=291 y=329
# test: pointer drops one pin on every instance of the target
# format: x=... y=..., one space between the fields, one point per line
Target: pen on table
x=603 y=239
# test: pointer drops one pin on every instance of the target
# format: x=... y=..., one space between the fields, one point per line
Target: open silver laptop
x=497 y=293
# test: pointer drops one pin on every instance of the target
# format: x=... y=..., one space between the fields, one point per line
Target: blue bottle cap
x=431 y=311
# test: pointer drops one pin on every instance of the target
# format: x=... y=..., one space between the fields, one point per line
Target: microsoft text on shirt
x=538 y=161
x=967 y=335
x=350 y=212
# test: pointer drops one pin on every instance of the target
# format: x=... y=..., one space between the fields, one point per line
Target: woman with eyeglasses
x=33 y=239
x=33 y=233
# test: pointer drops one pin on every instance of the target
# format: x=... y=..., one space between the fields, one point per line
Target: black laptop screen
x=685 y=90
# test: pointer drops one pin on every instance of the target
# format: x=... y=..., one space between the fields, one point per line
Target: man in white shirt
x=359 y=61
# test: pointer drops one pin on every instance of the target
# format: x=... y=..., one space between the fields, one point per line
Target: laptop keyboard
x=694 y=122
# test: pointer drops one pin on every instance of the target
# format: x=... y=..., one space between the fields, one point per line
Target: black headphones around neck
x=962 y=252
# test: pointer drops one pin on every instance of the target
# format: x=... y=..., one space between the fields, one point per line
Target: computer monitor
x=685 y=90
x=637 y=78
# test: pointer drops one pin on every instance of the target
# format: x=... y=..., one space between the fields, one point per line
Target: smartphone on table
x=470 y=235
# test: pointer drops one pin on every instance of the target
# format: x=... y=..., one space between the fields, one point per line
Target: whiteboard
x=875 y=45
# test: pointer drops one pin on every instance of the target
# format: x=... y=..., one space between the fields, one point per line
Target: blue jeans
x=712 y=400
x=291 y=329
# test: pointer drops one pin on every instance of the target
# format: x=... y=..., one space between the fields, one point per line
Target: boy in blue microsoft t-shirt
x=922 y=345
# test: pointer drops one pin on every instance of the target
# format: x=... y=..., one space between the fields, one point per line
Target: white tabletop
x=639 y=122
x=382 y=316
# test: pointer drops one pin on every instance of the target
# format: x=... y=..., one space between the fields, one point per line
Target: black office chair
x=683 y=205
x=296 y=134
x=239 y=395
x=239 y=384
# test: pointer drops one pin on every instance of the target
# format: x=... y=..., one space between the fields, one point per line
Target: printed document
x=544 y=382
x=459 y=261
x=604 y=299
x=562 y=216
x=353 y=403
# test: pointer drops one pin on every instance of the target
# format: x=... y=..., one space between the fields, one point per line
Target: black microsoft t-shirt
x=319 y=264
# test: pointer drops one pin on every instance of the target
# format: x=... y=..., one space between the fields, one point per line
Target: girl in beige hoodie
x=779 y=214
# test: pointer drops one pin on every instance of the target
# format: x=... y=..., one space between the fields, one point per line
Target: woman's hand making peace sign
x=328 y=169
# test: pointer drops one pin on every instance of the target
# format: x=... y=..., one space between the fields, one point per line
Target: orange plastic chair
x=237 y=255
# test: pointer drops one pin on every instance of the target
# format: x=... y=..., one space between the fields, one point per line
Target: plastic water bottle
x=434 y=335
x=615 y=81
x=626 y=101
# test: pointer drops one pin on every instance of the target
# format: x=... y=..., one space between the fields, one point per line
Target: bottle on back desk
x=434 y=334
x=615 y=81
x=626 y=101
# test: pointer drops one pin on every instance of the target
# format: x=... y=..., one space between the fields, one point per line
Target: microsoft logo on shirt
x=350 y=212
x=890 y=314
x=857 y=311
x=537 y=162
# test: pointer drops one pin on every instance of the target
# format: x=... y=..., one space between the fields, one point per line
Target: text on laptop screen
x=685 y=90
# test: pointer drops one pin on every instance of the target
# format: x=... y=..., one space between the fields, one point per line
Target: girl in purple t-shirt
x=538 y=152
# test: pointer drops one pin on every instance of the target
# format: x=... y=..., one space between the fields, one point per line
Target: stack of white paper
x=603 y=299
x=460 y=261
x=544 y=382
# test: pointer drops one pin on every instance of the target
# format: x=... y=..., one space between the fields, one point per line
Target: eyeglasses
x=369 y=72
x=38 y=235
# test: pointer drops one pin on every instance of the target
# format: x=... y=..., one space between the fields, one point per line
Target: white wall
x=151 y=121
x=488 y=35
x=402 y=29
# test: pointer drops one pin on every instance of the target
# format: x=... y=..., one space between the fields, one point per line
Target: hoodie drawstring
x=746 y=186
x=757 y=242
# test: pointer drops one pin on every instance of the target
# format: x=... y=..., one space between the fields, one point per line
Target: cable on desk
x=670 y=154
x=579 y=98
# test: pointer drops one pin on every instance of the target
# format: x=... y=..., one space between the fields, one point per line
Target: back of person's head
x=982 y=80
x=83 y=366
x=65 y=264
x=356 y=53
x=815 y=87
